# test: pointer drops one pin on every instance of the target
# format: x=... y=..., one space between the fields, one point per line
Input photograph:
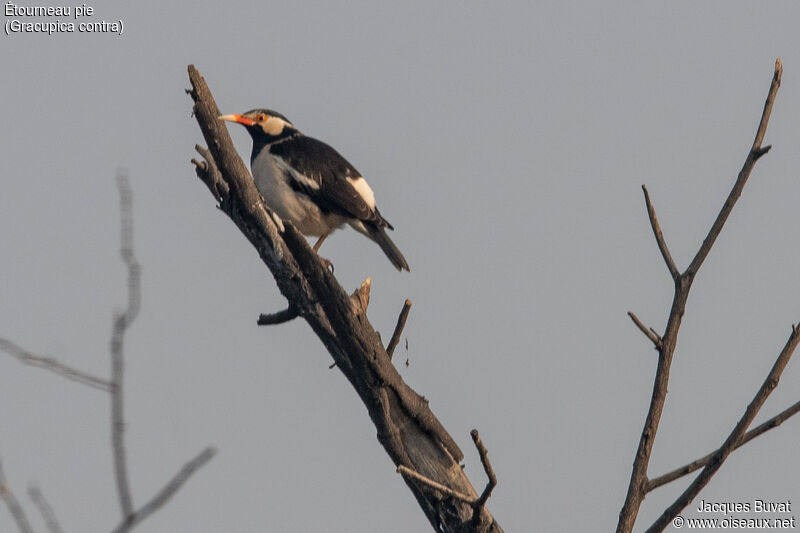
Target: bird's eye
x=261 y=117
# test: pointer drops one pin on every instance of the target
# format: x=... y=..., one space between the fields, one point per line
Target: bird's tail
x=378 y=234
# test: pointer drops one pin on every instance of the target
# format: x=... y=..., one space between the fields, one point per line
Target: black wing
x=323 y=177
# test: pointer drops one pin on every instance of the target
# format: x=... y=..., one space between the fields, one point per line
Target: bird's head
x=263 y=124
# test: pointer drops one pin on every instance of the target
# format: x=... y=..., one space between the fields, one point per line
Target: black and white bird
x=310 y=184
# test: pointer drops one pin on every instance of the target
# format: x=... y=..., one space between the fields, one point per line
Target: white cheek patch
x=273 y=126
x=363 y=189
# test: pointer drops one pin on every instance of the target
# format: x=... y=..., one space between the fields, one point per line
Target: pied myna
x=310 y=184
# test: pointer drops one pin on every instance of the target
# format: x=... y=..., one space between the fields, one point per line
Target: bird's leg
x=319 y=242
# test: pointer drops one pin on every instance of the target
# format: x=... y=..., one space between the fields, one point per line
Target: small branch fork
x=639 y=483
x=478 y=503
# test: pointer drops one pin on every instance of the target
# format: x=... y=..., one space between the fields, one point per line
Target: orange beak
x=239 y=119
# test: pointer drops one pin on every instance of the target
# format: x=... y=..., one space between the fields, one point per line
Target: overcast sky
x=507 y=145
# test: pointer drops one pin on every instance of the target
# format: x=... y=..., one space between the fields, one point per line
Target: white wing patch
x=363 y=189
x=302 y=179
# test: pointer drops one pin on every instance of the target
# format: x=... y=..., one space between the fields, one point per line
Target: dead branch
x=688 y=468
x=48 y=363
x=662 y=244
x=408 y=430
x=637 y=488
x=654 y=337
x=480 y=503
x=14 y=507
x=45 y=510
x=280 y=317
x=398 y=329
x=754 y=155
x=121 y=323
x=174 y=484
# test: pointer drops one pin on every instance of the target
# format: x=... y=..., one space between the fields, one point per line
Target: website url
x=731 y=522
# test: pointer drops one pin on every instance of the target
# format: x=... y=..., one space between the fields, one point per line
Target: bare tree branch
x=678 y=473
x=662 y=244
x=51 y=364
x=654 y=337
x=280 y=317
x=734 y=438
x=637 y=488
x=490 y=485
x=398 y=329
x=121 y=323
x=157 y=501
x=755 y=153
x=45 y=510
x=13 y=504
x=210 y=175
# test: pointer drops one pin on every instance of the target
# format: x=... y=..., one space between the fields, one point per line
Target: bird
x=307 y=182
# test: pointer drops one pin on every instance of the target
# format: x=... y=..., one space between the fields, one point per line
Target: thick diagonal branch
x=408 y=430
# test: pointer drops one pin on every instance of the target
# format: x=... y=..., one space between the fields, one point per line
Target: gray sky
x=507 y=145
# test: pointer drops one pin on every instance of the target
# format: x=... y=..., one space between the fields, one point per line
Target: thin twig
x=121 y=323
x=654 y=337
x=407 y=472
x=169 y=490
x=755 y=153
x=290 y=313
x=13 y=505
x=490 y=485
x=208 y=172
x=398 y=329
x=662 y=244
x=45 y=510
x=736 y=436
x=48 y=363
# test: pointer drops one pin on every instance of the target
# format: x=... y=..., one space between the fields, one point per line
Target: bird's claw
x=327 y=263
